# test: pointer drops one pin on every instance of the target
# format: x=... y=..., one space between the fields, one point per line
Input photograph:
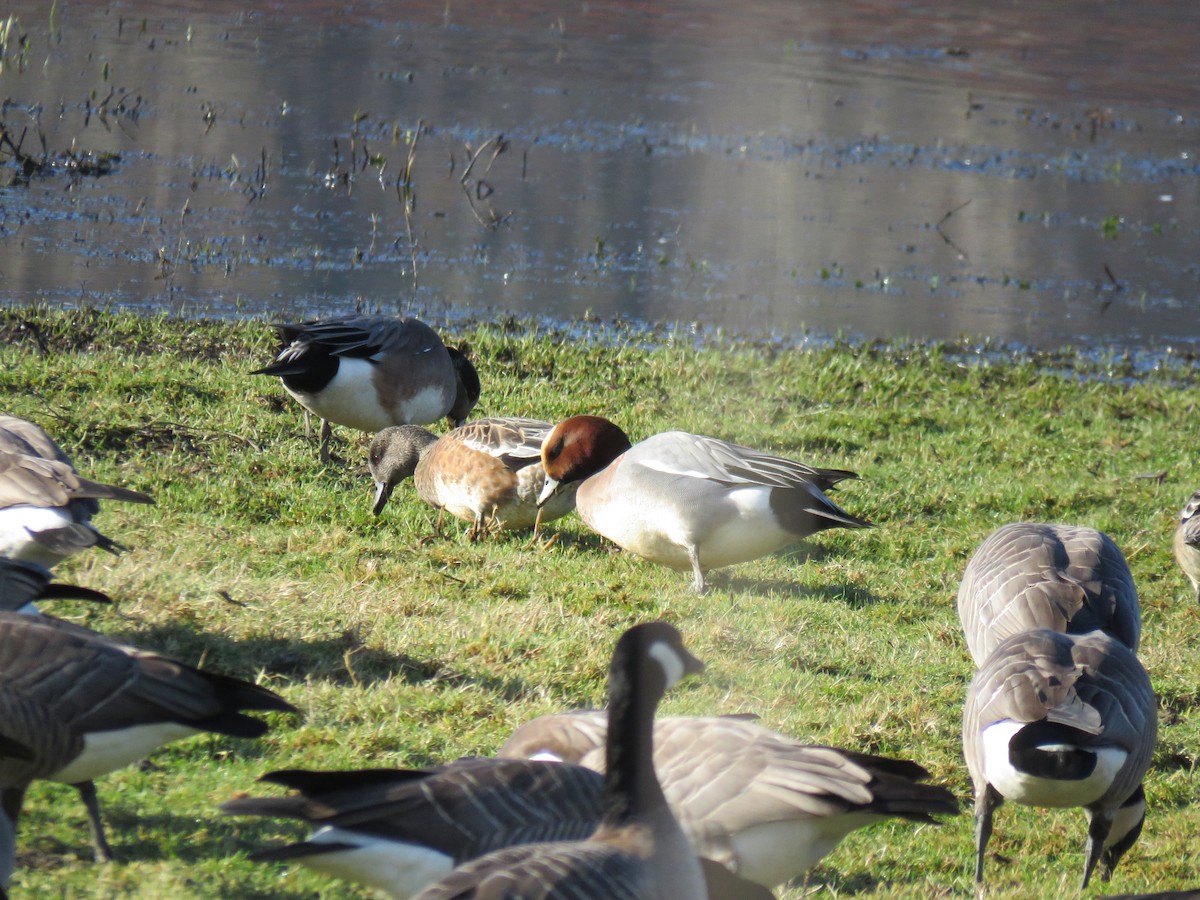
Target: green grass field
x=403 y=647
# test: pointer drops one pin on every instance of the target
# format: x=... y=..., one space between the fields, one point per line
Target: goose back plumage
x=763 y=805
x=1063 y=577
x=27 y=438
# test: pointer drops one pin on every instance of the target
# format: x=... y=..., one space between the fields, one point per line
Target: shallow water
x=783 y=168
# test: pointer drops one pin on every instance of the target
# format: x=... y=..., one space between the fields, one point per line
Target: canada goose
x=369 y=372
x=45 y=505
x=1063 y=577
x=1187 y=542
x=689 y=502
x=22 y=583
x=399 y=830
x=487 y=472
x=1061 y=720
x=763 y=805
x=638 y=850
x=82 y=705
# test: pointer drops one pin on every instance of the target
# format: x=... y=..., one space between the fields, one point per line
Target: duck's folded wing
x=517 y=442
x=367 y=336
x=680 y=453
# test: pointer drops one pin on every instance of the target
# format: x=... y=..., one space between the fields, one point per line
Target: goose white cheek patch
x=672 y=666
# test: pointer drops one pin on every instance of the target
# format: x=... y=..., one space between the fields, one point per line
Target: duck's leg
x=537 y=525
x=437 y=529
x=697 y=571
x=326 y=434
x=494 y=525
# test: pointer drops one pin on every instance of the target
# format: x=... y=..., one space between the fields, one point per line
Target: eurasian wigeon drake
x=487 y=472
x=78 y=704
x=1187 y=542
x=371 y=372
x=1062 y=720
x=1069 y=578
x=765 y=806
x=687 y=501
x=45 y=505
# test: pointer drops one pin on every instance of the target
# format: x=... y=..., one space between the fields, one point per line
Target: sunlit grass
x=407 y=648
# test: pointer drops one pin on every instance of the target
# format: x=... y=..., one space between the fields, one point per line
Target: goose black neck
x=631 y=788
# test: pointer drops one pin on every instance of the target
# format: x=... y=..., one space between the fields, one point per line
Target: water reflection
x=854 y=168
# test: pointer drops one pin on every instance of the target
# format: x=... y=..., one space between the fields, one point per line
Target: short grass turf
x=404 y=646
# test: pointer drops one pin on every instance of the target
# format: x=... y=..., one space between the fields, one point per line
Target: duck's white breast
x=349 y=399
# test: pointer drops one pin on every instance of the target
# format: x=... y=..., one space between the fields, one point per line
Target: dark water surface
x=1021 y=171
